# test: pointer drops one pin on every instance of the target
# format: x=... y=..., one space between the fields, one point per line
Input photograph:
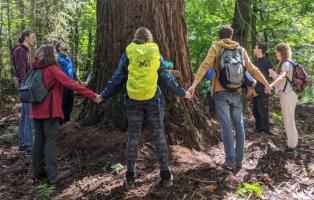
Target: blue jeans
x=26 y=127
x=229 y=107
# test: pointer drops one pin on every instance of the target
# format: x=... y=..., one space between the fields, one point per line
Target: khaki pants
x=288 y=102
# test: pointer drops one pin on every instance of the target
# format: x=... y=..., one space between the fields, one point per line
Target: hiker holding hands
x=229 y=59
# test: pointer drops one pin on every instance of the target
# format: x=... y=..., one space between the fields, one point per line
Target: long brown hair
x=45 y=54
x=285 y=52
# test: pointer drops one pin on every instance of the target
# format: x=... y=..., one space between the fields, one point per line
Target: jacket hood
x=227 y=43
x=37 y=64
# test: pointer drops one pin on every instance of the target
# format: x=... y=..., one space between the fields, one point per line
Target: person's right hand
x=268 y=89
x=188 y=95
x=98 y=99
x=16 y=83
x=191 y=90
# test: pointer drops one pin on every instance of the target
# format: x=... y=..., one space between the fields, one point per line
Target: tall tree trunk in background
x=32 y=4
x=253 y=25
x=117 y=21
x=76 y=38
x=1 y=42
x=88 y=65
x=241 y=21
x=10 y=45
x=265 y=31
x=21 y=9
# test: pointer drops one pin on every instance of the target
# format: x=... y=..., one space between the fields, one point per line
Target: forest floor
x=96 y=160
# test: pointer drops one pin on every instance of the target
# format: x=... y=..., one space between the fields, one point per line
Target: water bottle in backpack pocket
x=231 y=69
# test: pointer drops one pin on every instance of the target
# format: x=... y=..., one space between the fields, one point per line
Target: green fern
x=246 y=189
x=45 y=190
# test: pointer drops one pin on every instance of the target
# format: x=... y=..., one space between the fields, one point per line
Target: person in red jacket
x=48 y=113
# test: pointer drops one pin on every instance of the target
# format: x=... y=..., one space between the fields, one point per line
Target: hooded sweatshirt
x=54 y=79
x=213 y=59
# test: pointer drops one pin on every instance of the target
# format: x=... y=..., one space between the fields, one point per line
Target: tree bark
x=1 y=43
x=117 y=21
x=241 y=21
x=89 y=58
x=10 y=45
x=32 y=4
x=253 y=24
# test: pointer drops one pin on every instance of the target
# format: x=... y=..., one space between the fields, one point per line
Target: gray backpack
x=231 y=71
x=32 y=88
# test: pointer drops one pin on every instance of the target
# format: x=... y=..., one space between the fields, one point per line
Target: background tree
x=242 y=21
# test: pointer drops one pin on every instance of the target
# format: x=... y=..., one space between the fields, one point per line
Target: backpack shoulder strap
x=287 y=78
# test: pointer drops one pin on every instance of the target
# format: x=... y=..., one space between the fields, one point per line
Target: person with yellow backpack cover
x=142 y=69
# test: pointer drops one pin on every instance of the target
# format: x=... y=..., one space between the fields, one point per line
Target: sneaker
x=239 y=166
x=129 y=180
x=41 y=175
x=166 y=179
x=22 y=148
x=292 y=149
x=230 y=167
x=167 y=183
x=28 y=152
x=61 y=175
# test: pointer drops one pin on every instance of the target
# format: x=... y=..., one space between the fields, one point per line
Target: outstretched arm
x=118 y=79
x=62 y=78
x=167 y=80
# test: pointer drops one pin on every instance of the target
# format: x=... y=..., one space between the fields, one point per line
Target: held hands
x=191 y=90
x=188 y=95
x=98 y=99
x=268 y=89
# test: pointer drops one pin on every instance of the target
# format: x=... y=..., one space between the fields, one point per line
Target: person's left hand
x=268 y=89
x=98 y=99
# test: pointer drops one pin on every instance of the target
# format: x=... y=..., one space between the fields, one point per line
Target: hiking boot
x=230 y=167
x=41 y=175
x=292 y=149
x=239 y=166
x=28 y=152
x=166 y=179
x=22 y=148
x=129 y=180
x=61 y=175
x=266 y=132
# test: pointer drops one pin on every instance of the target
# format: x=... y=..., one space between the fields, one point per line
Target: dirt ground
x=92 y=154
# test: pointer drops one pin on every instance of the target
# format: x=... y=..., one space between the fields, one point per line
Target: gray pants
x=44 y=157
x=154 y=115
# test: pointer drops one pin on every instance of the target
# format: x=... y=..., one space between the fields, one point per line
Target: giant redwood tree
x=117 y=21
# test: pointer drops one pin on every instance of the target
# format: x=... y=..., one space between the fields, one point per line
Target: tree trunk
x=32 y=7
x=117 y=21
x=10 y=45
x=21 y=9
x=254 y=19
x=1 y=43
x=241 y=21
x=89 y=58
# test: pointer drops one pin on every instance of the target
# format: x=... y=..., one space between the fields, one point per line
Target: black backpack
x=32 y=88
x=231 y=69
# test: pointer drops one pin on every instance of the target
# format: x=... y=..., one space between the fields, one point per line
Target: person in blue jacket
x=211 y=105
x=141 y=71
x=67 y=66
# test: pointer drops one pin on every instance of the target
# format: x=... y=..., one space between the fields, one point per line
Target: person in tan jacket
x=228 y=100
